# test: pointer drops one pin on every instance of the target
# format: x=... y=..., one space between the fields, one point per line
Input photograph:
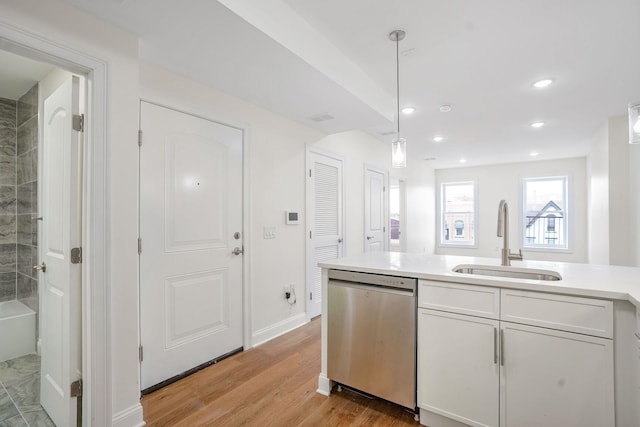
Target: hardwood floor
x=270 y=385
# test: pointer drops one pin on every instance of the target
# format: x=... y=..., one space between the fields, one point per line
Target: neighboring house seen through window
x=457 y=214
x=545 y=222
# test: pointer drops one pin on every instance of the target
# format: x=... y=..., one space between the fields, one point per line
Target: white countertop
x=600 y=281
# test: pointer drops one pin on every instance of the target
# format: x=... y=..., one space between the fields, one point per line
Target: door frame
x=96 y=327
x=246 y=240
x=385 y=204
x=307 y=164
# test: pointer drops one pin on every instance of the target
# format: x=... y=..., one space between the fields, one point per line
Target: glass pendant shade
x=399 y=153
x=634 y=123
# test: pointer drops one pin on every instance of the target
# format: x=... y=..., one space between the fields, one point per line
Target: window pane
x=457 y=213
x=545 y=213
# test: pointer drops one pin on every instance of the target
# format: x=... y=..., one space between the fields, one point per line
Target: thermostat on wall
x=292 y=217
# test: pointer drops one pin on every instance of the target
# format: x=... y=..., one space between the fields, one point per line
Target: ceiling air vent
x=322 y=117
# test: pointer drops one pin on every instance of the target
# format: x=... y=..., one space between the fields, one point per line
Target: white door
x=190 y=227
x=555 y=378
x=458 y=367
x=375 y=205
x=324 y=221
x=61 y=225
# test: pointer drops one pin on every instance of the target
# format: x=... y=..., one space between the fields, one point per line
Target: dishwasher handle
x=373 y=288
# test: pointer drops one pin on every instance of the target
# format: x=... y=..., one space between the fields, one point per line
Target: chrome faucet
x=503 y=231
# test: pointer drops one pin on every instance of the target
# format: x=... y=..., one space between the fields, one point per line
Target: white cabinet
x=485 y=371
x=555 y=378
x=458 y=367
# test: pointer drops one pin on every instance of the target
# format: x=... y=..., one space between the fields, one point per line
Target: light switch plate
x=269 y=232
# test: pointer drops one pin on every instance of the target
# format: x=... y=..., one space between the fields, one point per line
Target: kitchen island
x=512 y=352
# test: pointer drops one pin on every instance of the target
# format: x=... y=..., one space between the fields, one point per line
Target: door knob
x=42 y=267
x=237 y=251
x=340 y=240
x=369 y=237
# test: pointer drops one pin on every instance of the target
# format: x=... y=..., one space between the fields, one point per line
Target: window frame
x=568 y=216
x=442 y=243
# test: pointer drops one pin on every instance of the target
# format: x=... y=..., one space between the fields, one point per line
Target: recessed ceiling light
x=463 y=160
x=537 y=125
x=408 y=110
x=542 y=83
x=533 y=153
x=438 y=138
x=445 y=108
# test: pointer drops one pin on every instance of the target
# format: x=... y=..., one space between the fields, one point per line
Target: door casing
x=96 y=344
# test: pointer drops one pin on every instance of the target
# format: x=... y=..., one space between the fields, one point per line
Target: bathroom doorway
x=39 y=290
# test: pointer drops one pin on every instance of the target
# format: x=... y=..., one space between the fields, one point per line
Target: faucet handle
x=517 y=257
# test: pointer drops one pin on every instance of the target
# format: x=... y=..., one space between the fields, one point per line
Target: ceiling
x=303 y=58
x=18 y=74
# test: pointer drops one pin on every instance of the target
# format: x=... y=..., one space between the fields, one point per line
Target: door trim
x=307 y=164
x=247 y=341
x=96 y=306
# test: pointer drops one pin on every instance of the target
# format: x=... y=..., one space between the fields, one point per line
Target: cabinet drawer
x=474 y=300
x=566 y=313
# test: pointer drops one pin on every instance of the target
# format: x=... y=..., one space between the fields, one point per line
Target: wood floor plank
x=270 y=385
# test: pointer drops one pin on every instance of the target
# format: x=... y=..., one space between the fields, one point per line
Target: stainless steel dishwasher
x=371 y=334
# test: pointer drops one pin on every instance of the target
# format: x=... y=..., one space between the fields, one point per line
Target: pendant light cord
x=398 y=82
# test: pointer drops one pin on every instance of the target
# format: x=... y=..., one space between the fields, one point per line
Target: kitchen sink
x=512 y=272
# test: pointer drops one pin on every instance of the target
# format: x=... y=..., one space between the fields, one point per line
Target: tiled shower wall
x=18 y=198
x=8 y=202
x=27 y=198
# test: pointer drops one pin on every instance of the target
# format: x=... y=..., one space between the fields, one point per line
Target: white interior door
x=324 y=221
x=61 y=225
x=190 y=225
x=375 y=209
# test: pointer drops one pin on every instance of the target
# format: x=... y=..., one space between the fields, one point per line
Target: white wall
x=598 y=194
x=505 y=182
x=613 y=179
x=634 y=202
x=276 y=152
x=60 y=23
x=620 y=252
x=359 y=148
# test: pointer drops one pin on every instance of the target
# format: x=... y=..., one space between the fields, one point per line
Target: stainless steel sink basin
x=512 y=272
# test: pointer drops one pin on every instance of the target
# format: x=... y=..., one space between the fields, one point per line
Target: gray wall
x=8 y=119
x=19 y=198
x=27 y=198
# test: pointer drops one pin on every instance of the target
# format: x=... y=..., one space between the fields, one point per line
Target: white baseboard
x=263 y=335
x=130 y=417
x=324 y=385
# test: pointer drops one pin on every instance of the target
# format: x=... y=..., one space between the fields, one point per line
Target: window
x=545 y=219
x=457 y=219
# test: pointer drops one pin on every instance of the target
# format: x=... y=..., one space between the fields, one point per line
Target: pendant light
x=398 y=145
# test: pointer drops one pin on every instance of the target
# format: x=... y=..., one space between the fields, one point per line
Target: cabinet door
x=554 y=378
x=458 y=371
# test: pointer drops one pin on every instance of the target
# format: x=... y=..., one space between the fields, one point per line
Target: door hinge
x=76 y=255
x=140 y=138
x=310 y=235
x=311 y=295
x=139 y=245
x=78 y=122
x=309 y=173
x=384 y=229
x=384 y=188
x=140 y=353
x=76 y=388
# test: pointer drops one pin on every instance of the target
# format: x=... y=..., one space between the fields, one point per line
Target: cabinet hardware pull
x=501 y=347
x=495 y=346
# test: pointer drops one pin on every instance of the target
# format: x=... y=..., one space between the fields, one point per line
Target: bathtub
x=17 y=330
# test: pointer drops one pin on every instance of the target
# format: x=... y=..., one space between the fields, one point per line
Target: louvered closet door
x=325 y=221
